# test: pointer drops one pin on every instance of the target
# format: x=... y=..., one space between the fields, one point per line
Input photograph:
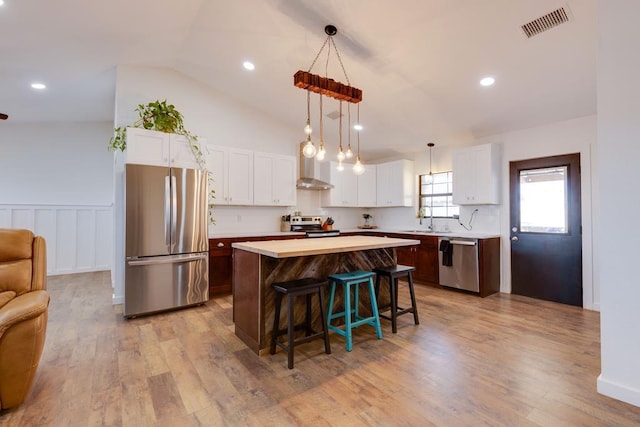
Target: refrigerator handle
x=167 y=212
x=167 y=259
x=174 y=210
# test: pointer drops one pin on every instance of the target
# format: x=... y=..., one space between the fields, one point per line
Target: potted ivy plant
x=367 y=220
x=156 y=115
x=162 y=117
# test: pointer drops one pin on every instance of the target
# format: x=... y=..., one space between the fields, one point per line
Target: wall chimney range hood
x=308 y=180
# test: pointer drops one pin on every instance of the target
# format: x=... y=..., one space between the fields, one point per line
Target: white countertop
x=462 y=234
x=254 y=234
x=306 y=247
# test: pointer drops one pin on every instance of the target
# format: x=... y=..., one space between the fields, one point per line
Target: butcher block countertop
x=319 y=246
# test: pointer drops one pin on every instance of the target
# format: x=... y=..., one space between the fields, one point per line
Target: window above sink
x=436 y=196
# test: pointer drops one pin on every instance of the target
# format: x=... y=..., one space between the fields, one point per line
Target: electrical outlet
x=239 y=218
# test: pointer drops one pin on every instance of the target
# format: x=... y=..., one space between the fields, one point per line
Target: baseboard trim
x=618 y=391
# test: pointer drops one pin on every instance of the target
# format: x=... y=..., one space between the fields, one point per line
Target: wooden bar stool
x=307 y=287
x=355 y=278
x=393 y=273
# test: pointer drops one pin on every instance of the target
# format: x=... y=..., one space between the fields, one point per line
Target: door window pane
x=543 y=200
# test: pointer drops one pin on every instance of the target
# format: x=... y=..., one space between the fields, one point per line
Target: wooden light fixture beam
x=3 y=116
x=328 y=87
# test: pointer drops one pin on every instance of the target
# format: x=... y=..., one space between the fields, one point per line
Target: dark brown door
x=546 y=235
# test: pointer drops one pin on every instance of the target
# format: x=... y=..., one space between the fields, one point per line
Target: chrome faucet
x=421 y=213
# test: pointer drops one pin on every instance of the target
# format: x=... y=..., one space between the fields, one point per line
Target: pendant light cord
x=330 y=41
x=340 y=126
x=358 y=134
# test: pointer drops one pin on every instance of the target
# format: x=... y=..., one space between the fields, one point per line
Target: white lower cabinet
x=231 y=170
x=274 y=180
x=345 y=185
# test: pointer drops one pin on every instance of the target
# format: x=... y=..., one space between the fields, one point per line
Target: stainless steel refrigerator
x=166 y=244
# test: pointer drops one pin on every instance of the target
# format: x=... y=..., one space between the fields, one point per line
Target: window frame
x=422 y=196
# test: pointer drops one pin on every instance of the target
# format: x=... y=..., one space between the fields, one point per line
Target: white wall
x=618 y=154
x=57 y=181
x=218 y=118
x=56 y=163
x=571 y=136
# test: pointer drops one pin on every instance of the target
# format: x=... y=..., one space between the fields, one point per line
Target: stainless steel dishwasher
x=463 y=271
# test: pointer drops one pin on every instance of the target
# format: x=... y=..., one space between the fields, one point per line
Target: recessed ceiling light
x=38 y=86
x=248 y=65
x=487 y=81
x=1 y=2
x=357 y=127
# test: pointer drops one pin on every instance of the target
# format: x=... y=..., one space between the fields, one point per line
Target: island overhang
x=328 y=245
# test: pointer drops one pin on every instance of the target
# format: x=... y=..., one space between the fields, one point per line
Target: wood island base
x=253 y=297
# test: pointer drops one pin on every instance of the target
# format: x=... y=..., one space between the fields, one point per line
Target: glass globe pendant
x=358 y=167
x=307 y=127
x=349 y=153
x=309 y=149
x=341 y=156
x=322 y=152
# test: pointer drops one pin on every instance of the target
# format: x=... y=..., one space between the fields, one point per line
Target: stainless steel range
x=311 y=226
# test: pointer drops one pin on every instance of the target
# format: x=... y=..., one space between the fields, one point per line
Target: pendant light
x=430 y=145
x=358 y=167
x=325 y=86
x=309 y=149
x=349 y=153
x=341 y=156
x=322 y=152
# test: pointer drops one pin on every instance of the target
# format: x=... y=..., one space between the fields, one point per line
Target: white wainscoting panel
x=79 y=238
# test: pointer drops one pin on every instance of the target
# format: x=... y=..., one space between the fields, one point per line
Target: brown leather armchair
x=23 y=312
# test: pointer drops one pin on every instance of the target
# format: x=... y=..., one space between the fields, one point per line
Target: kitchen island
x=256 y=265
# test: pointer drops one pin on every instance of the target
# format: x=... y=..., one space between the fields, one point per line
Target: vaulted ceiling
x=418 y=62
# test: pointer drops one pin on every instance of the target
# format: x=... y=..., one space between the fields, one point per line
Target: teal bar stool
x=351 y=317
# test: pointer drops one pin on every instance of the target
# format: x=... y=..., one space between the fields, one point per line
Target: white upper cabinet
x=231 y=171
x=476 y=175
x=367 y=187
x=345 y=183
x=181 y=155
x=395 y=183
x=274 y=180
x=150 y=147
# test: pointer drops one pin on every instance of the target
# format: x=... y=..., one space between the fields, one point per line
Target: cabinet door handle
x=220 y=245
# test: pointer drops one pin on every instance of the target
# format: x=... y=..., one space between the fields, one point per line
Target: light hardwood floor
x=503 y=360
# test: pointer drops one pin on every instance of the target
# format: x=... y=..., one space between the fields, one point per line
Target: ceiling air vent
x=334 y=115
x=546 y=22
